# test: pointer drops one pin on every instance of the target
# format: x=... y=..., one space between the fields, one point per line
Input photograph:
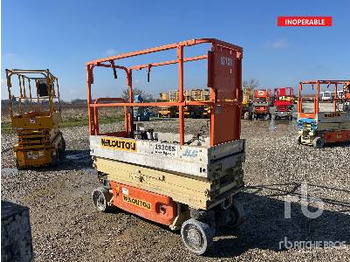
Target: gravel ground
x=66 y=227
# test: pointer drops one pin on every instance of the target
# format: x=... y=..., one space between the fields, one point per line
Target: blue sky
x=63 y=35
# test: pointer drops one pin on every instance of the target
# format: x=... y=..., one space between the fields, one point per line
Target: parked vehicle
x=283 y=103
x=262 y=102
x=186 y=182
x=320 y=128
x=247 y=107
x=35 y=116
x=327 y=96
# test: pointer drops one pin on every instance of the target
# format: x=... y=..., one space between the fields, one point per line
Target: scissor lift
x=318 y=128
x=35 y=116
x=183 y=181
x=283 y=103
x=262 y=102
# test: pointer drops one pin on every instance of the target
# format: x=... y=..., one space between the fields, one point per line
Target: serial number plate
x=165 y=150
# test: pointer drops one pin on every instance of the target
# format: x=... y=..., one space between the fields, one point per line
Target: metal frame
x=283 y=108
x=277 y=91
x=25 y=75
x=316 y=98
x=217 y=101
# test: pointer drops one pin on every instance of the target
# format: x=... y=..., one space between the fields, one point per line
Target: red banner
x=304 y=21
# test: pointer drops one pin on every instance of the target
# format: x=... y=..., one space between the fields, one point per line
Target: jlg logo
x=190 y=153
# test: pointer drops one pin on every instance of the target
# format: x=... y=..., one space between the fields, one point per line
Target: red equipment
x=261 y=103
x=284 y=98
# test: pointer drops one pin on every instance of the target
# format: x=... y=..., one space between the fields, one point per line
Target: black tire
x=236 y=214
x=55 y=159
x=101 y=197
x=318 y=142
x=197 y=236
x=63 y=147
x=298 y=139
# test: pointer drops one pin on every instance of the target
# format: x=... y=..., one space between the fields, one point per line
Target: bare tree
x=147 y=97
x=251 y=83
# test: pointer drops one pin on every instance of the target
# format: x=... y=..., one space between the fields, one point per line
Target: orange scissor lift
x=188 y=183
x=262 y=101
x=319 y=127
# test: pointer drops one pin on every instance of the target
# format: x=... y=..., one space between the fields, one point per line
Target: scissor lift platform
x=35 y=116
x=319 y=128
x=188 y=183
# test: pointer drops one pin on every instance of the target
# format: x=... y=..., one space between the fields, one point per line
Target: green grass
x=6 y=127
x=69 y=122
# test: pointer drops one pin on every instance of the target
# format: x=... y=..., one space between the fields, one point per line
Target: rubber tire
x=237 y=213
x=55 y=159
x=100 y=198
x=63 y=145
x=318 y=142
x=298 y=140
x=62 y=149
x=199 y=229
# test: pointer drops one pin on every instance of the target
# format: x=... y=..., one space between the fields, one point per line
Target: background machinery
x=262 y=101
x=140 y=113
x=190 y=95
x=283 y=103
x=35 y=116
x=185 y=181
x=168 y=111
x=247 y=103
x=318 y=127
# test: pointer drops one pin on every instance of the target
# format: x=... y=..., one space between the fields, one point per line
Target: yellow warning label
x=119 y=144
x=137 y=202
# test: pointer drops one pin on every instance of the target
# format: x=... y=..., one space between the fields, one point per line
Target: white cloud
x=9 y=55
x=111 y=52
x=277 y=44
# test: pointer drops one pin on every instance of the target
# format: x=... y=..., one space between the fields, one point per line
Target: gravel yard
x=66 y=226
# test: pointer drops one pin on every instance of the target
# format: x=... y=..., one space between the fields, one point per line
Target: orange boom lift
x=187 y=182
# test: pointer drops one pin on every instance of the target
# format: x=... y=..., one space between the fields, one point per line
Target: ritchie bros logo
x=304 y=21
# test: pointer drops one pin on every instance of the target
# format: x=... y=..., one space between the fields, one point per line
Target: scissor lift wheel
x=197 y=236
x=101 y=197
x=318 y=142
x=236 y=214
x=298 y=139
